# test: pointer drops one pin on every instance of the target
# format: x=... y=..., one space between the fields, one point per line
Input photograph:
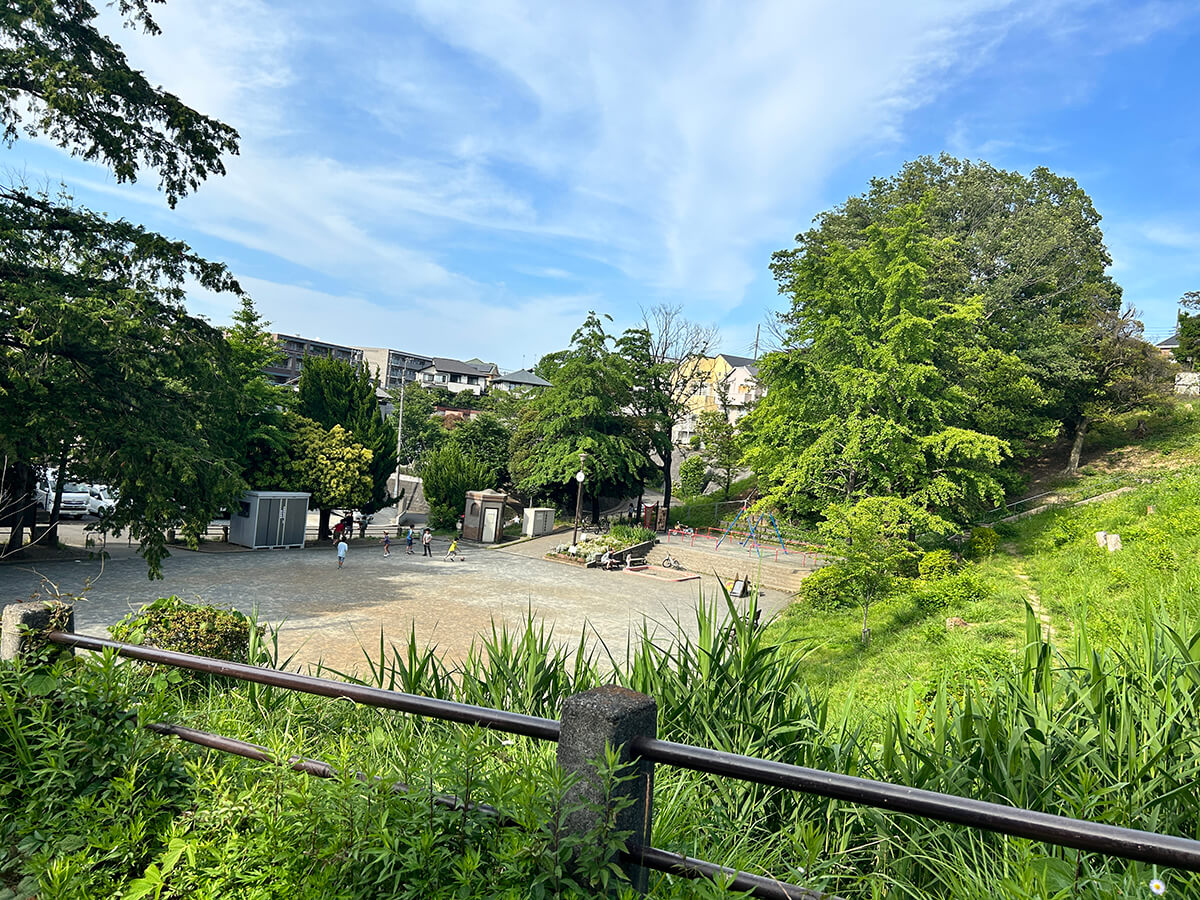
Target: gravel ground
x=328 y=614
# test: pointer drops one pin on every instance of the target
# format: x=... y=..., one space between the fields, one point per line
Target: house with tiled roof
x=521 y=381
x=455 y=375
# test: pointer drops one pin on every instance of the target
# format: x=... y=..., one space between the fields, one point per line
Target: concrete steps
x=784 y=575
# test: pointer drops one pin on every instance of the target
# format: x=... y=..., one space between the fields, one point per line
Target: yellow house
x=736 y=375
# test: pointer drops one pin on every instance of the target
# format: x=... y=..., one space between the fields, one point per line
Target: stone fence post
x=25 y=624
x=591 y=721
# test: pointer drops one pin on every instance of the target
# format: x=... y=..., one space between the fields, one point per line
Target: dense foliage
x=447 y=475
x=172 y=624
x=944 y=326
x=94 y=338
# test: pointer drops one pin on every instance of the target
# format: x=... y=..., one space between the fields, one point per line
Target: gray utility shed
x=269 y=519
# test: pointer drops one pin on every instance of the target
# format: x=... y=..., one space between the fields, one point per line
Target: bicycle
x=670 y=562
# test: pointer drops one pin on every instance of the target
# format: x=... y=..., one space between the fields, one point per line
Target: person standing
x=427 y=543
x=408 y=539
x=387 y=545
x=342 y=547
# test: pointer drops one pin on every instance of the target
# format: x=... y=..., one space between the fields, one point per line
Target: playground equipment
x=752 y=534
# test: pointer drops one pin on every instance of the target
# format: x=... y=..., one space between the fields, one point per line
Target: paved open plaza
x=328 y=614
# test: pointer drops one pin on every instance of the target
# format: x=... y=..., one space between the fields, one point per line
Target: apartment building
x=296 y=349
x=392 y=367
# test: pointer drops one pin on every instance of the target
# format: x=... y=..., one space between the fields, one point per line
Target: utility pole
x=400 y=439
x=757 y=331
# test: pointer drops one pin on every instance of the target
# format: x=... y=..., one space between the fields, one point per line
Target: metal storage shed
x=269 y=519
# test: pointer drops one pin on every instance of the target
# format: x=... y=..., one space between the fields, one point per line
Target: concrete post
x=24 y=624
x=609 y=716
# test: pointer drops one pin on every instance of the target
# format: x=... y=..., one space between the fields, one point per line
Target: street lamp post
x=579 y=477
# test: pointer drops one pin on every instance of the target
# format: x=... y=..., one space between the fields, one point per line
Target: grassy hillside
x=1050 y=561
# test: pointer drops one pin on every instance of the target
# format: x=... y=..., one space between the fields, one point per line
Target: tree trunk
x=51 y=534
x=24 y=513
x=866 y=632
x=1081 y=428
x=667 y=456
x=596 y=506
x=323 y=525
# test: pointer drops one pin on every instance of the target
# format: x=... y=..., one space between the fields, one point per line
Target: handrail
x=649 y=857
x=1081 y=834
x=464 y=713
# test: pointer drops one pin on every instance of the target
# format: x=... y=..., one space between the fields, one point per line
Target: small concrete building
x=538 y=520
x=269 y=519
x=483 y=518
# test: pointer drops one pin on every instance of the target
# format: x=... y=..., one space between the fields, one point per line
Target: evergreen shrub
x=171 y=624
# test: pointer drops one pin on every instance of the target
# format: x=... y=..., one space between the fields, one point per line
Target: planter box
x=580 y=561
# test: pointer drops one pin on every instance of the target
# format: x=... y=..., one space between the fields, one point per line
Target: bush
x=171 y=624
x=628 y=535
x=952 y=590
x=937 y=564
x=983 y=542
x=829 y=588
x=447 y=475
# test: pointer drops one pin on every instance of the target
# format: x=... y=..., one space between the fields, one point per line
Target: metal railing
x=1127 y=843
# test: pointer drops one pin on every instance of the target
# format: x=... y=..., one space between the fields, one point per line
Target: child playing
x=387 y=545
x=453 y=549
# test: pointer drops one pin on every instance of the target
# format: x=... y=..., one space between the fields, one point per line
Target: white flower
x=1157 y=887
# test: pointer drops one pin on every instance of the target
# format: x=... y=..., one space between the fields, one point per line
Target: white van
x=74 y=498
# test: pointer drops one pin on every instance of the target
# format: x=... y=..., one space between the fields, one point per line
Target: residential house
x=721 y=380
x=454 y=375
x=521 y=381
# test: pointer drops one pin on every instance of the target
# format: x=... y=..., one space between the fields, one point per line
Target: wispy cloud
x=429 y=166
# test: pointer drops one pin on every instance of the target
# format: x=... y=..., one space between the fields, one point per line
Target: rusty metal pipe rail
x=1128 y=843
x=463 y=713
x=1079 y=834
x=650 y=857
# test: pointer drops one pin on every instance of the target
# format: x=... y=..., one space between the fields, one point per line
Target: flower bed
x=590 y=548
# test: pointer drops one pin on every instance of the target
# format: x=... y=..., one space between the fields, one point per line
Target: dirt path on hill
x=1043 y=617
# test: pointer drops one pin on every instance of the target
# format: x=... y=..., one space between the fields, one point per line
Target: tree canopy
x=866 y=401
x=582 y=412
x=102 y=371
x=62 y=79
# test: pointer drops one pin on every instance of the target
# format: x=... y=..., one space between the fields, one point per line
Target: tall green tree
x=485 y=439
x=583 y=412
x=866 y=401
x=1188 y=330
x=447 y=474
x=256 y=419
x=1031 y=249
x=333 y=392
x=719 y=445
x=421 y=430
x=95 y=343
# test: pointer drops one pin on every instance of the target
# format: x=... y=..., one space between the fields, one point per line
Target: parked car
x=101 y=499
x=74 y=498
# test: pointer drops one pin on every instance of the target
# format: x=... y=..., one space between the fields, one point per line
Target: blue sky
x=469 y=179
